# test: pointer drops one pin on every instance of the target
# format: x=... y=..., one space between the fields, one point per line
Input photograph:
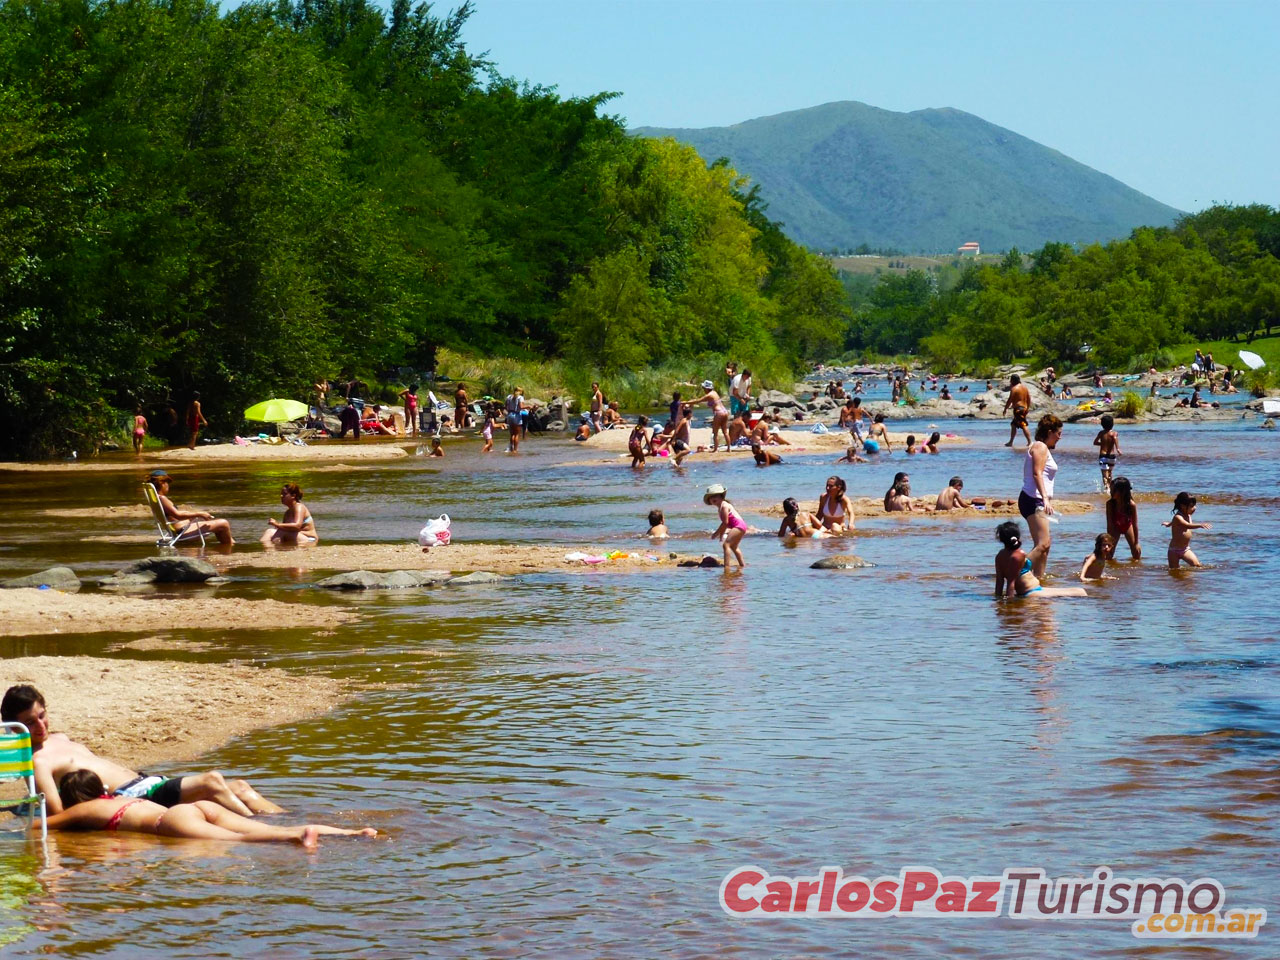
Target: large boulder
x=163 y=570
x=840 y=562
x=540 y=418
x=56 y=578
x=776 y=398
x=388 y=580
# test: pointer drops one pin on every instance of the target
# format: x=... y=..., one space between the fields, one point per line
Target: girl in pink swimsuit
x=732 y=526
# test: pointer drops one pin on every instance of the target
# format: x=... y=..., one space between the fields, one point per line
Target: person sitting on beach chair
x=56 y=755
x=208 y=526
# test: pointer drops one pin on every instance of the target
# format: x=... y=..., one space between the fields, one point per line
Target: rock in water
x=840 y=562
x=392 y=580
x=480 y=576
x=56 y=578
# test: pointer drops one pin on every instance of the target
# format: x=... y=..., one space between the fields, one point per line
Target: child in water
x=1122 y=517
x=1108 y=444
x=732 y=526
x=911 y=444
x=437 y=449
x=490 y=420
x=638 y=440
x=1096 y=563
x=763 y=457
x=657 y=525
x=931 y=445
x=1184 y=505
x=799 y=523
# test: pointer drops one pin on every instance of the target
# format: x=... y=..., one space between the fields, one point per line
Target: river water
x=569 y=764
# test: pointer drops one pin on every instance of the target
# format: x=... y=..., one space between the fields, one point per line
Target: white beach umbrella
x=1251 y=359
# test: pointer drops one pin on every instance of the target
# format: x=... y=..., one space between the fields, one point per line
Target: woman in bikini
x=834 y=509
x=1014 y=566
x=298 y=525
x=1122 y=516
x=87 y=806
x=732 y=527
x=799 y=523
x=719 y=415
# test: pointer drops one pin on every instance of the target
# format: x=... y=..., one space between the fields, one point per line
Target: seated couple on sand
x=86 y=792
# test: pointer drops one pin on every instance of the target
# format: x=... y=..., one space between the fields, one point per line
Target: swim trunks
x=165 y=791
x=1107 y=460
x=1019 y=415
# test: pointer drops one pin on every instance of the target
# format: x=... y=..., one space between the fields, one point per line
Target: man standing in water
x=1020 y=399
x=56 y=755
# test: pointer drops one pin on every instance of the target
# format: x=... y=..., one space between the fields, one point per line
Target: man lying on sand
x=57 y=754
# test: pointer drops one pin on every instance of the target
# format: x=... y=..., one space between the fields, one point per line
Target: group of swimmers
x=297 y=526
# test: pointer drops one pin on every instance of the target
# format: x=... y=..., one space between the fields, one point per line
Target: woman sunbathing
x=87 y=806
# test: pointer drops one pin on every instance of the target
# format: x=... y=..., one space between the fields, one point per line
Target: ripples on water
x=567 y=765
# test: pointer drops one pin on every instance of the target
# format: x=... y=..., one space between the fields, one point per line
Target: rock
x=540 y=418
x=391 y=580
x=480 y=576
x=706 y=561
x=823 y=405
x=555 y=426
x=56 y=578
x=560 y=408
x=840 y=562
x=127 y=581
x=776 y=398
x=173 y=569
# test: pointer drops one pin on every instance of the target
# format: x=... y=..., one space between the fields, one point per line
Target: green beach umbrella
x=276 y=411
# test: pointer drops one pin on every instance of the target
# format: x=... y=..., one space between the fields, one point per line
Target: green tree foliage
x=238 y=202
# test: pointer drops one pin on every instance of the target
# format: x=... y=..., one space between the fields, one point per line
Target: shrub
x=1258 y=381
x=1129 y=405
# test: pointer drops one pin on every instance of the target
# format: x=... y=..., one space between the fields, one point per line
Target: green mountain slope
x=846 y=173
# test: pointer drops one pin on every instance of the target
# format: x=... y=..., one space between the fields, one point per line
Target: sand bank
x=30 y=612
x=460 y=557
x=143 y=712
x=365 y=450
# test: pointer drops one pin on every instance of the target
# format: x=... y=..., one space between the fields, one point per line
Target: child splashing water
x=732 y=526
x=1184 y=505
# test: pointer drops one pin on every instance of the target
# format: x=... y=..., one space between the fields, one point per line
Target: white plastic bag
x=436 y=532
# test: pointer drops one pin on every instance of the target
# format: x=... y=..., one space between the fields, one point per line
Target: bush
x=1259 y=381
x=1161 y=359
x=1129 y=405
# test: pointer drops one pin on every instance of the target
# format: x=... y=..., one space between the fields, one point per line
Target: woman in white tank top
x=1035 y=501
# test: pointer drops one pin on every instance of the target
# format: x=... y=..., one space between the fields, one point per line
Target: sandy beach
x=143 y=712
x=215 y=453
x=29 y=612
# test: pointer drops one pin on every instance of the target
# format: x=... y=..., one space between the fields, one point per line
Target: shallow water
x=568 y=764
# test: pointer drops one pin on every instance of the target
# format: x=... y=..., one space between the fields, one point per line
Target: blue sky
x=1176 y=99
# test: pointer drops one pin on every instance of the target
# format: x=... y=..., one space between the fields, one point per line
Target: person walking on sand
x=1035 y=501
x=732 y=527
x=719 y=415
x=1020 y=400
x=56 y=754
x=210 y=527
x=139 y=429
x=86 y=805
x=195 y=420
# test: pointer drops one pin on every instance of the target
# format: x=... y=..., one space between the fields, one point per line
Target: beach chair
x=170 y=533
x=16 y=764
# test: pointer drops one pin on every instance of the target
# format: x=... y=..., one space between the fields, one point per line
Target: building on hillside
x=969 y=249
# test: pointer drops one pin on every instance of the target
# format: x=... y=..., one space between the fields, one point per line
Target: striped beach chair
x=16 y=764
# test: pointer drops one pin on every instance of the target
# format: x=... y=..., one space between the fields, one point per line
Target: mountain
x=845 y=173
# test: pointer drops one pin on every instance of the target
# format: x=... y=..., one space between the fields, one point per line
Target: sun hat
x=708 y=385
x=715 y=490
x=158 y=475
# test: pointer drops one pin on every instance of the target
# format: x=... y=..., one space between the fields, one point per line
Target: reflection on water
x=568 y=764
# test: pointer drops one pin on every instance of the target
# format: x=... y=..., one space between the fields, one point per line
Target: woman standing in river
x=1035 y=501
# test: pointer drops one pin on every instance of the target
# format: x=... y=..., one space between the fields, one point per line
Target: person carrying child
x=1108 y=444
x=732 y=527
x=1184 y=505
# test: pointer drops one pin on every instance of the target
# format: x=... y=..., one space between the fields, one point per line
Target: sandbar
x=799 y=441
x=144 y=712
x=224 y=453
x=28 y=612
x=868 y=507
x=459 y=557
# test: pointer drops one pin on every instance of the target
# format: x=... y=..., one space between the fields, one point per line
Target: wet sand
x=457 y=557
x=143 y=712
x=30 y=612
x=365 y=450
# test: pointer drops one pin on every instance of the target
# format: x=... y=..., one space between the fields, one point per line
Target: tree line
x=240 y=202
x=1214 y=275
